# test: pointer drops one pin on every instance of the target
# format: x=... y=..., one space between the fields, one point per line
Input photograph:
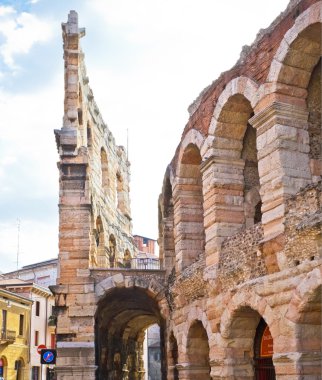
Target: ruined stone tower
x=94 y=208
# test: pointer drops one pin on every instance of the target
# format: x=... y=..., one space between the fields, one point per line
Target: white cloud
x=6 y=10
x=21 y=31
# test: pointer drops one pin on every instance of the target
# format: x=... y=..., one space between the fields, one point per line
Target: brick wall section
x=190 y=284
x=303 y=226
x=241 y=259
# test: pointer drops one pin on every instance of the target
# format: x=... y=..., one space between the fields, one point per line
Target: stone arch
x=173 y=354
x=20 y=367
x=127 y=258
x=89 y=135
x=193 y=137
x=305 y=310
x=166 y=224
x=80 y=108
x=120 y=326
x=296 y=68
x=120 y=193
x=104 y=170
x=195 y=313
x=197 y=351
x=314 y=122
x=298 y=53
x=99 y=235
x=309 y=329
x=4 y=366
x=188 y=208
x=112 y=251
x=232 y=164
x=238 y=332
x=237 y=86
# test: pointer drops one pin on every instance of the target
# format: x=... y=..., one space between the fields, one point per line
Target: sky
x=147 y=61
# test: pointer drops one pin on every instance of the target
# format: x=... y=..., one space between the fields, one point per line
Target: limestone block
x=79 y=311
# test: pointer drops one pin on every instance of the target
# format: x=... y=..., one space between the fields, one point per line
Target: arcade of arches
x=238 y=292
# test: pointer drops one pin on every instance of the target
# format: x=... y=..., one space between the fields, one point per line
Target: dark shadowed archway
x=121 y=319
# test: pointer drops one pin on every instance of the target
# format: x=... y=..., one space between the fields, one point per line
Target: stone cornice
x=221 y=161
x=279 y=113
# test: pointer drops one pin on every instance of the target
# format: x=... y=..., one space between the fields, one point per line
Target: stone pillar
x=223 y=187
x=285 y=366
x=283 y=165
x=168 y=244
x=74 y=292
x=189 y=371
x=188 y=221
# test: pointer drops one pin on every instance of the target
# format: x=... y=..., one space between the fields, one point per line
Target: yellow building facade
x=15 y=312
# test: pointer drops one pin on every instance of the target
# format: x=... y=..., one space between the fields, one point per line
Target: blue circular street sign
x=48 y=356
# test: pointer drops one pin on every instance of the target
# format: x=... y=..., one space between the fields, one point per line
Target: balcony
x=145 y=263
x=8 y=336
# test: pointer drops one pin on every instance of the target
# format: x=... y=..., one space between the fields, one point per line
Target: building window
x=21 y=323
x=36 y=338
x=37 y=308
x=35 y=373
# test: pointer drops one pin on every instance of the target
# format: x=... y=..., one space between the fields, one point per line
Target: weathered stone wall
x=303 y=226
x=239 y=222
x=241 y=258
x=261 y=191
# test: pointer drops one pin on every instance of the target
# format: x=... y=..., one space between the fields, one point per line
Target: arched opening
x=263 y=353
x=173 y=358
x=20 y=369
x=120 y=194
x=153 y=352
x=80 y=109
x=100 y=243
x=238 y=201
x=315 y=125
x=112 y=251
x=166 y=223
x=252 y=200
x=104 y=170
x=3 y=367
x=244 y=336
x=198 y=352
x=127 y=259
x=89 y=135
x=120 y=331
x=190 y=235
x=301 y=68
x=309 y=336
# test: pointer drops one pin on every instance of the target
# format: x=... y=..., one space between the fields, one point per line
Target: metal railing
x=142 y=263
x=8 y=335
x=145 y=263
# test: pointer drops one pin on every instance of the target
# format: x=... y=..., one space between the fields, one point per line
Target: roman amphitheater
x=238 y=291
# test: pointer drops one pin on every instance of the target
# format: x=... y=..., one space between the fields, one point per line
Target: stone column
x=188 y=221
x=283 y=165
x=74 y=292
x=168 y=244
x=189 y=371
x=223 y=187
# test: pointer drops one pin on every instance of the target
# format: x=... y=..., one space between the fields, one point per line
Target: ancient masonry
x=238 y=295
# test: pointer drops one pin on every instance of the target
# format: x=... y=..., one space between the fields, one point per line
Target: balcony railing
x=145 y=263
x=8 y=336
